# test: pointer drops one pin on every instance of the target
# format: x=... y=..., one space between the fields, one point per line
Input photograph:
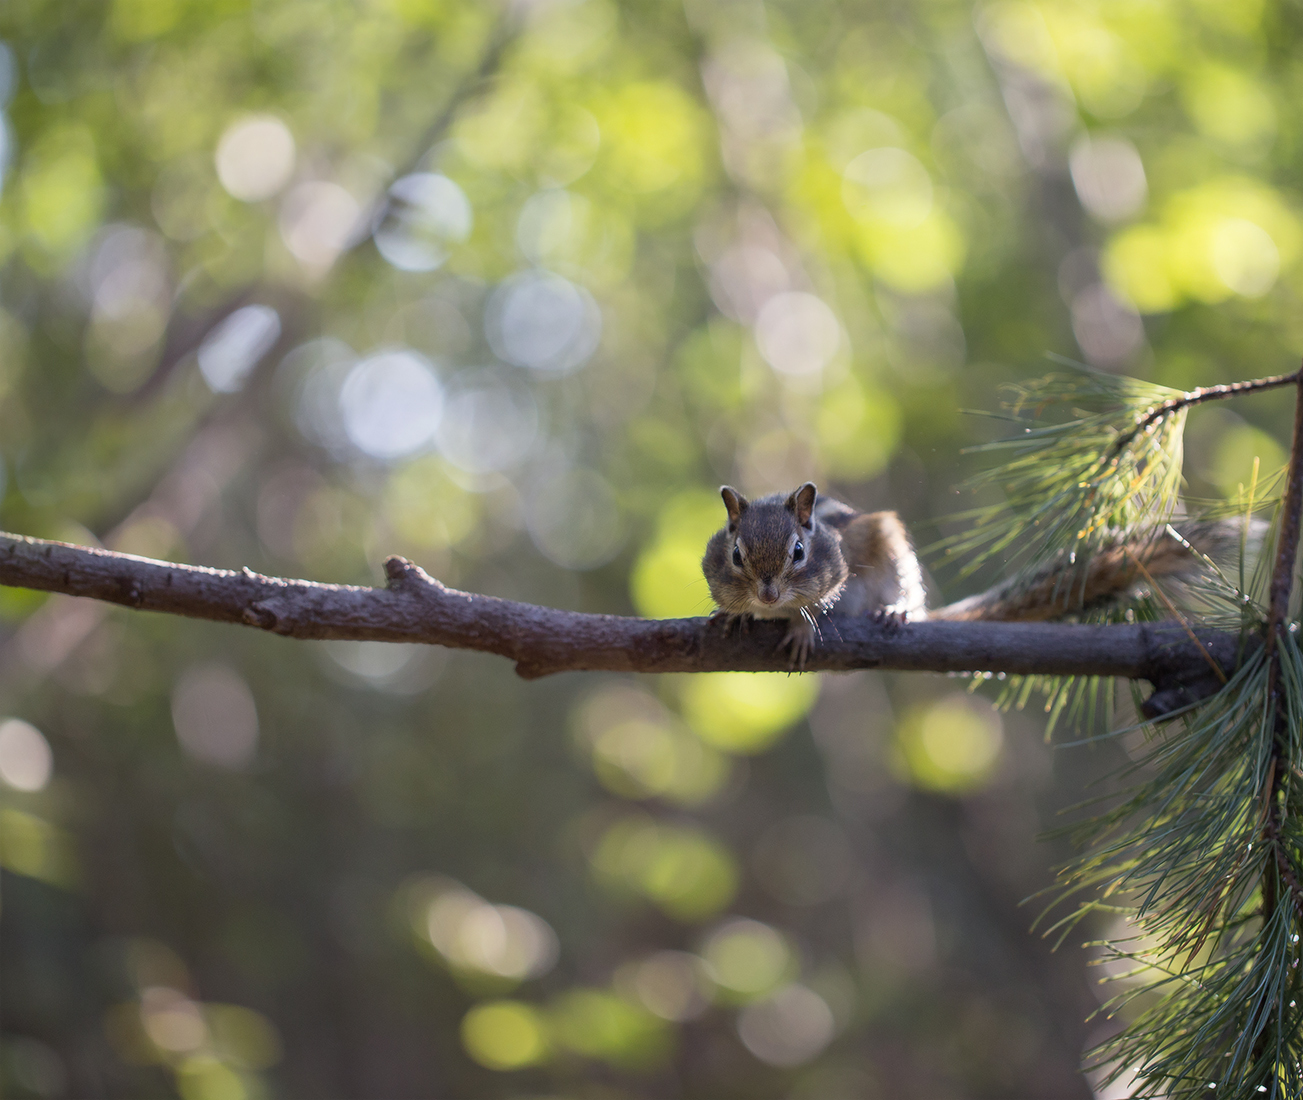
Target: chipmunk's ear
x=801 y=503
x=735 y=502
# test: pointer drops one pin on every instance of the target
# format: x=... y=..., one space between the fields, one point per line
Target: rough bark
x=414 y=607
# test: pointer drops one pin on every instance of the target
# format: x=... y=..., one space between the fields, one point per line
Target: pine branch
x=414 y=607
x=1282 y=577
x=1198 y=396
x=1202 y=854
x=1071 y=487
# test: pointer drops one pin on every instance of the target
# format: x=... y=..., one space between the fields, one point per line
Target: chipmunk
x=796 y=557
x=799 y=556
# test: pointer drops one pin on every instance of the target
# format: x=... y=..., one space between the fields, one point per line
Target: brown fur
x=885 y=574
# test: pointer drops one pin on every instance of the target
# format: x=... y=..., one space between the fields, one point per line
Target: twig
x=1197 y=397
x=1272 y=832
x=1291 y=880
x=414 y=607
x=1282 y=576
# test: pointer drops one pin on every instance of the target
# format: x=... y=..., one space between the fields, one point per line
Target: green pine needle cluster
x=1071 y=484
x=1196 y=861
x=1181 y=861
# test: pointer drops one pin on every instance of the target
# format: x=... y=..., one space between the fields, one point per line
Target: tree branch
x=1198 y=397
x=414 y=607
x=1282 y=585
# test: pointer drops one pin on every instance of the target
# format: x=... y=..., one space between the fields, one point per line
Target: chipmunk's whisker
x=827 y=614
x=810 y=619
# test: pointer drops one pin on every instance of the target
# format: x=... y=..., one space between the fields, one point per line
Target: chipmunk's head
x=773 y=557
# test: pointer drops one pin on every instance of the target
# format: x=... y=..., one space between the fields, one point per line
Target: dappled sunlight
x=26 y=762
x=126 y=279
x=666 y=581
x=682 y=870
x=639 y=749
x=391 y=403
x=490 y=422
x=318 y=221
x=887 y=185
x=32 y=846
x=605 y=1026
x=1109 y=177
x=540 y=320
x=216 y=1051
x=235 y=345
x=746 y=712
x=746 y=959
x=574 y=518
x=505 y=1035
x=672 y=984
x=500 y=940
x=396 y=668
x=1230 y=236
x=789 y=1028
x=215 y=716
x=952 y=745
x=428 y=213
x=255 y=157
x=1107 y=329
x=797 y=333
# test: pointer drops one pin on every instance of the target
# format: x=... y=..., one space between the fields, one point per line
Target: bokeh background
x=510 y=289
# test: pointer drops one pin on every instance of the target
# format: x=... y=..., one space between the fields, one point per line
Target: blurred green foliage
x=509 y=289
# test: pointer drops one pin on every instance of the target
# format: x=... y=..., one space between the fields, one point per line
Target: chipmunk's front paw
x=800 y=638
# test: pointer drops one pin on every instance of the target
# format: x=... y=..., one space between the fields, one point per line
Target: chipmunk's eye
x=737 y=555
x=798 y=552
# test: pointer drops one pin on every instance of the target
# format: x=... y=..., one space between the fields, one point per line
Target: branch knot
x=269 y=614
x=402 y=573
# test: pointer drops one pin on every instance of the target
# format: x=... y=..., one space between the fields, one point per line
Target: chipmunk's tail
x=1062 y=587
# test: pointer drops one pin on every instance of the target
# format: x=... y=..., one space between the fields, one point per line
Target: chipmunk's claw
x=890 y=619
x=800 y=639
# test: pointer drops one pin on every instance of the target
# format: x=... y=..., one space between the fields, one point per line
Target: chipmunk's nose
x=767 y=592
